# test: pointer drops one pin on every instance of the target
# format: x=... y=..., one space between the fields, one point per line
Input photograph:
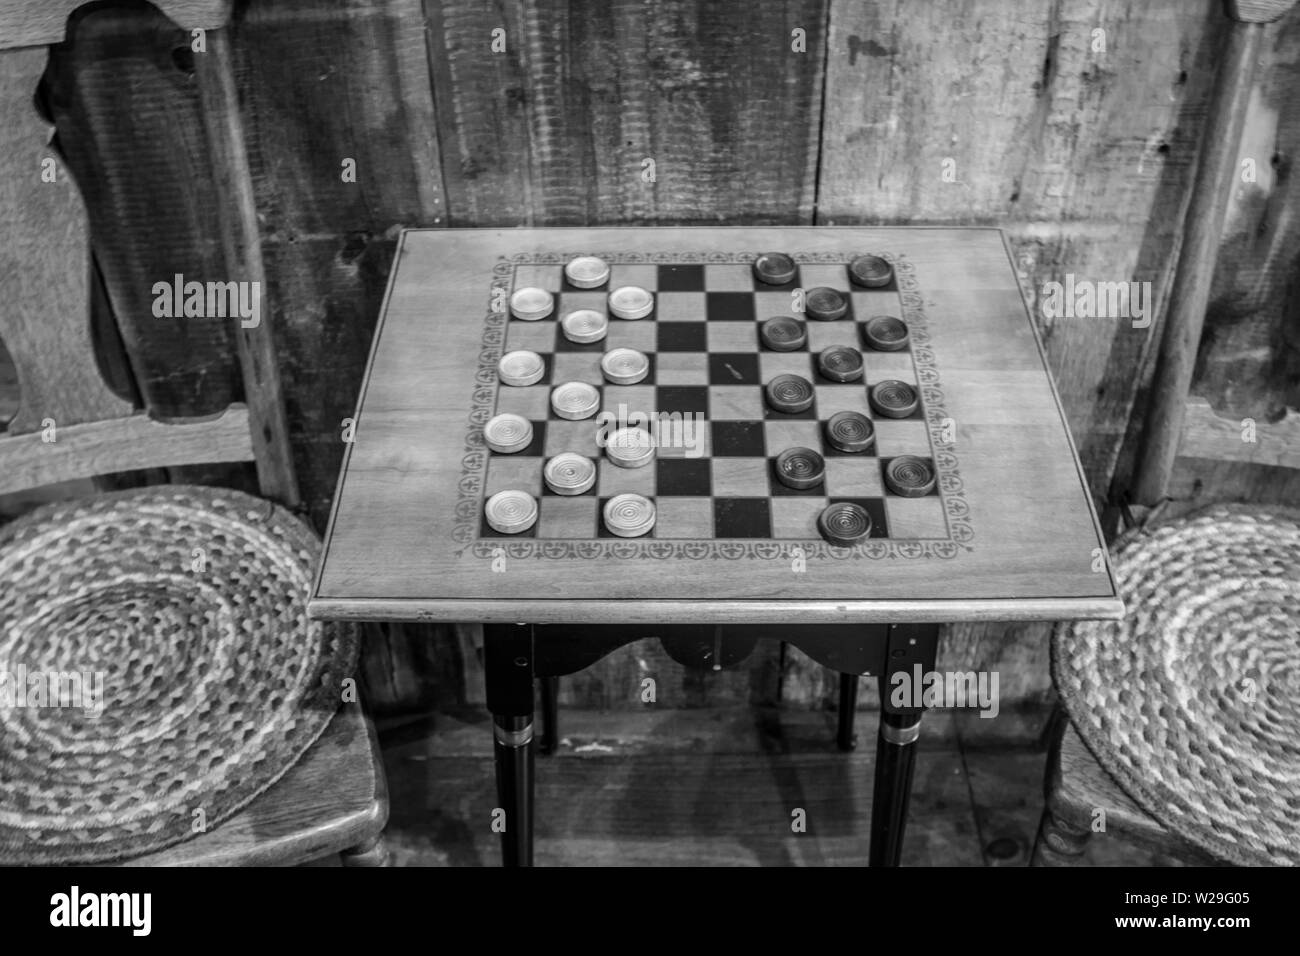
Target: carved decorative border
x=469 y=503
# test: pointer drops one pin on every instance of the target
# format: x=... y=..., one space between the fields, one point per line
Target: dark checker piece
x=850 y=432
x=783 y=334
x=800 y=468
x=871 y=271
x=909 y=476
x=884 y=333
x=893 y=399
x=825 y=304
x=840 y=363
x=844 y=524
x=789 y=394
x=774 y=268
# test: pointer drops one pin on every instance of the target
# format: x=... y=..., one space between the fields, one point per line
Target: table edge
x=578 y=610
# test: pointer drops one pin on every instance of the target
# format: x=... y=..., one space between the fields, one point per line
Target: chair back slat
x=44 y=267
x=1208 y=435
x=124 y=444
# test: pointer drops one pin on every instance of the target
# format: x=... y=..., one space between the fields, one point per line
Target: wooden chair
x=1077 y=787
x=334 y=799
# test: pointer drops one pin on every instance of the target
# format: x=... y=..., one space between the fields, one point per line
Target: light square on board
x=586 y=299
x=792 y=434
x=579 y=437
x=875 y=302
x=772 y=364
x=533 y=336
x=901 y=437
x=628 y=400
x=813 y=275
x=511 y=473
x=683 y=517
x=729 y=277
x=636 y=334
x=916 y=517
x=732 y=336
x=568 y=516
x=856 y=476
x=768 y=304
x=531 y=401
x=735 y=402
x=681 y=368
x=796 y=517
x=841 y=398
x=612 y=480
x=879 y=366
x=576 y=367
x=740 y=477
x=545 y=277
x=680 y=307
x=822 y=335
x=682 y=435
x=644 y=276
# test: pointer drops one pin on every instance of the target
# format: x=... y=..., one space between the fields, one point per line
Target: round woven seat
x=1192 y=702
x=190 y=604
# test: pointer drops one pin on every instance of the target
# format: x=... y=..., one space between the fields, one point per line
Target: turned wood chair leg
x=1059 y=842
x=373 y=852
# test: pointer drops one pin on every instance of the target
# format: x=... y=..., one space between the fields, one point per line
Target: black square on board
x=761 y=286
x=682 y=337
x=890 y=286
x=742 y=518
x=485 y=530
x=884 y=465
x=729 y=307
x=567 y=286
x=876 y=508
x=738 y=439
x=604 y=532
x=535 y=447
x=563 y=344
x=733 y=368
x=785 y=491
x=772 y=415
x=683 y=477
x=681 y=278
x=687 y=399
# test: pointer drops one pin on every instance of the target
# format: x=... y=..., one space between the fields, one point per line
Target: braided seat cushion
x=1192 y=702
x=191 y=604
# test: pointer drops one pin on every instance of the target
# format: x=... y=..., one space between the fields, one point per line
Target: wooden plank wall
x=1083 y=153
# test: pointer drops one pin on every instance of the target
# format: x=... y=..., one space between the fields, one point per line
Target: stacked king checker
x=769 y=399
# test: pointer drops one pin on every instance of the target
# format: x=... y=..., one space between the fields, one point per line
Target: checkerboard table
x=1008 y=531
x=714 y=477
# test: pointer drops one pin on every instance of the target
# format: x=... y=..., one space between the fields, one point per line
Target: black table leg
x=846 y=738
x=895 y=759
x=910 y=650
x=550 y=738
x=508 y=667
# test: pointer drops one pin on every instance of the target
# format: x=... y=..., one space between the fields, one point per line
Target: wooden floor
x=716 y=787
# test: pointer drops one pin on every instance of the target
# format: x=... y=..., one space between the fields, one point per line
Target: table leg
x=910 y=650
x=846 y=738
x=895 y=759
x=508 y=668
x=550 y=715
